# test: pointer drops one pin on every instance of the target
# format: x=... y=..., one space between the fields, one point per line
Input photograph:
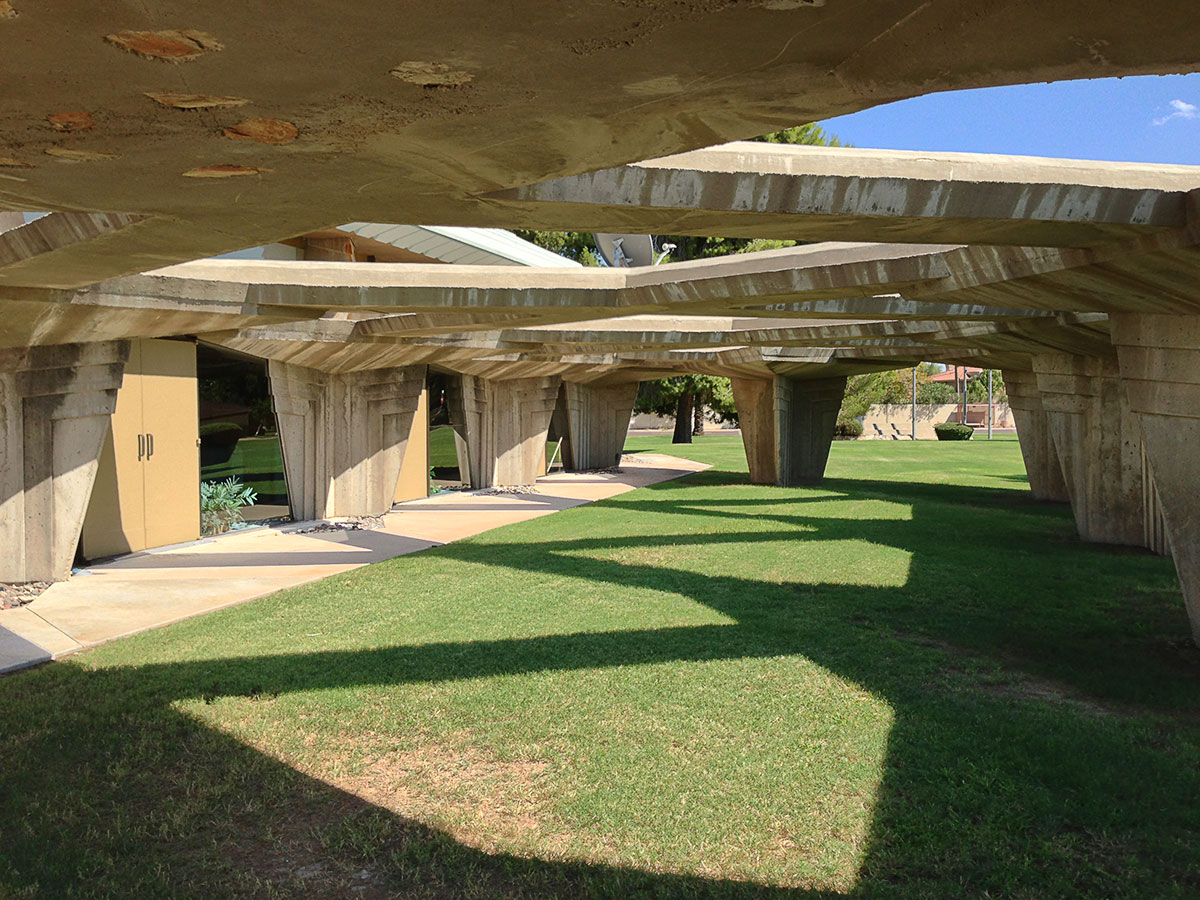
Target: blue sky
x=1141 y=119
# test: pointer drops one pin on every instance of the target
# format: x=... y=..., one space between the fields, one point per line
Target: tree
x=685 y=397
x=576 y=245
x=812 y=134
x=864 y=391
x=977 y=387
x=937 y=392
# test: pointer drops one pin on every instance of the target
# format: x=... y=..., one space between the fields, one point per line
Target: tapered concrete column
x=597 y=422
x=1160 y=368
x=505 y=424
x=344 y=436
x=787 y=426
x=1045 y=472
x=1099 y=445
x=755 y=402
x=55 y=405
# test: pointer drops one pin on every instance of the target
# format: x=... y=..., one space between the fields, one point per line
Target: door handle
x=149 y=445
x=141 y=446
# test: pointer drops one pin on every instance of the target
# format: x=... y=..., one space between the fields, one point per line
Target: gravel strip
x=19 y=594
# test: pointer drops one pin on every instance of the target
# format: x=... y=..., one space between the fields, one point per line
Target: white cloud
x=1181 y=110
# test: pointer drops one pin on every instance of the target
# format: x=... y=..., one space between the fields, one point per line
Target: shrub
x=935 y=392
x=848 y=429
x=221 y=504
x=953 y=431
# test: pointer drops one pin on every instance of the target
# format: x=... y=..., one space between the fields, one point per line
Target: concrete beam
x=849 y=194
x=1160 y=369
x=344 y=436
x=29 y=252
x=55 y=406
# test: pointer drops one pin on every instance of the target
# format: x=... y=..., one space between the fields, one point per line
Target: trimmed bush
x=953 y=431
x=218 y=440
x=221 y=432
x=848 y=429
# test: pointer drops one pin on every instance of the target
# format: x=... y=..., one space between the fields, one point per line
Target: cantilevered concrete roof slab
x=227 y=125
x=836 y=193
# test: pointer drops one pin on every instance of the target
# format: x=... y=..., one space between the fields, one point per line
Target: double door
x=146 y=492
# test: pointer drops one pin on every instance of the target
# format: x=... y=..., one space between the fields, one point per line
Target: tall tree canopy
x=685 y=397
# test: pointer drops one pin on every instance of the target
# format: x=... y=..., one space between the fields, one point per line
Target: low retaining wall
x=894 y=421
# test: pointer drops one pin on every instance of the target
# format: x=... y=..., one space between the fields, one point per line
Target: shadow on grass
x=1044 y=741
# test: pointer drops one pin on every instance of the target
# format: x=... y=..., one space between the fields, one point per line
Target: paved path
x=154 y=588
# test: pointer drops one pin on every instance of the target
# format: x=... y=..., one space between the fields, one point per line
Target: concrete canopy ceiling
x=226 y=125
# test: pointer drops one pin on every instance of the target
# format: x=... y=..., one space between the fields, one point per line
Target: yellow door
x=147 y=490
x=116 y=516
x=170 y=421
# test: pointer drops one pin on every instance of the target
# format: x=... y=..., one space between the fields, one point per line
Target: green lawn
x=913 y=681
x=442 y=451
x=256 y=462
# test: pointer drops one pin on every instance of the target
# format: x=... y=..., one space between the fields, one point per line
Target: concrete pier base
x=1042 y=465
x=504 y=425
x=755 y=402
x=55 y=405
x=1160 y=369
x=344 y=436
x=787 y=426
x=597 y=420
x=1099 y=445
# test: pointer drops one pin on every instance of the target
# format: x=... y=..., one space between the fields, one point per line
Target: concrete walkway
x=154 y=588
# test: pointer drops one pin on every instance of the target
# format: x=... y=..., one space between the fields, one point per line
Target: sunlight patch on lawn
x=835 y=507
x=749 y=566
x=763 y=770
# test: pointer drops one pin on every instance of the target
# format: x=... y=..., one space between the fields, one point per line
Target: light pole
x=989 y=404
x=962 y=397
x=914 y=403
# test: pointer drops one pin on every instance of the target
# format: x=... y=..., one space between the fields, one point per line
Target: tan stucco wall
x=414 y=468
x=885 y=421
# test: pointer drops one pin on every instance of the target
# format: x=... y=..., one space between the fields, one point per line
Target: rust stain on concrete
x=194 y=101
x=264 y=131
x=171 y=46
x=75 y=120
x=70 y=155
x=224 y=171
x=431 y=74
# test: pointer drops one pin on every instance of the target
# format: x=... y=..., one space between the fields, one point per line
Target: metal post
x=989 y=404
x=914 y=403
x=962 y=398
